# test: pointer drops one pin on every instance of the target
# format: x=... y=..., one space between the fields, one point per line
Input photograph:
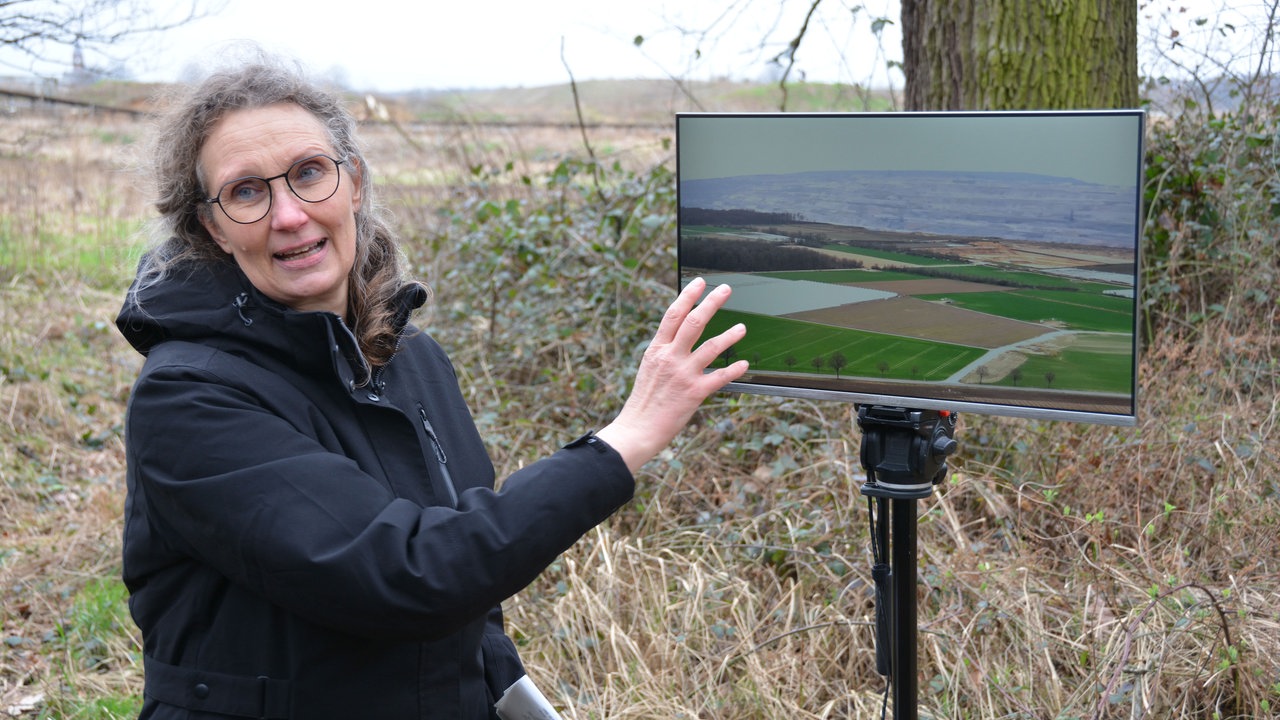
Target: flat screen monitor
x=969 y=261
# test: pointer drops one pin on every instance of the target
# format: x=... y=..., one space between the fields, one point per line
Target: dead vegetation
x=1067 y=571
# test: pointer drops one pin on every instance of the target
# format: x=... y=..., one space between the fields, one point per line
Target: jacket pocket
x=442 y=460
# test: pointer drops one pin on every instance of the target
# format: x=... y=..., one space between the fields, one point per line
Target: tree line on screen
x=755 y=256
x=944 y=274
x=903 y=248
x=737 y=217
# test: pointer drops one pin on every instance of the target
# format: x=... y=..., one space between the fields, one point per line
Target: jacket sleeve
x=243 y=490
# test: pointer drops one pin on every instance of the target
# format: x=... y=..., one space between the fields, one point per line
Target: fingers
x=678 y=310
x=684 y=323
x=725 y=375
x=673 y=377
x=690 y=321
x=708 y=351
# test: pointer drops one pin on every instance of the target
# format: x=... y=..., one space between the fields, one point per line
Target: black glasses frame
x=271 y=197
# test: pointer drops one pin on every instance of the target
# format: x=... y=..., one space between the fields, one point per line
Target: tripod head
x=905 y=451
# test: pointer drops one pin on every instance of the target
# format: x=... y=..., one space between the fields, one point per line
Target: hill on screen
x=1014 y=206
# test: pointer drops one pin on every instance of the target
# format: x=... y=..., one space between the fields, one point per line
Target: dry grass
x=64 y=379
x=1155 y=596
x=1067 y=571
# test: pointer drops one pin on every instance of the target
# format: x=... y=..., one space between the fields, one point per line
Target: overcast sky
x=391 y=45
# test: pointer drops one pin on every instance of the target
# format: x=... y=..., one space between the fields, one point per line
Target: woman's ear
x=356 y=171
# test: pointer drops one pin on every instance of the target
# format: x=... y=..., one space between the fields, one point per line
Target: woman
x=311 y=527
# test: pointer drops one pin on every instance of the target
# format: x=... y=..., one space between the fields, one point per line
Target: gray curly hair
x=180 y=236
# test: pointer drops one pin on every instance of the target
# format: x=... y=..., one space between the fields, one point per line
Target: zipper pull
x=440 y=457
x=431 y=433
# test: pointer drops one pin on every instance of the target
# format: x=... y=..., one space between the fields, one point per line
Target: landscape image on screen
x=982 y=261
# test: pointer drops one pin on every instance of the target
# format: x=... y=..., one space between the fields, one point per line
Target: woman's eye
x=309 y=171
x=245 y=192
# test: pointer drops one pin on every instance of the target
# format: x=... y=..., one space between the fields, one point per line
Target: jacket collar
x=215 y=304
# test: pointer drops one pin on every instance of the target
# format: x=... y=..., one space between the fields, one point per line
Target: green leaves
x=555 y=282
x=1212 y=206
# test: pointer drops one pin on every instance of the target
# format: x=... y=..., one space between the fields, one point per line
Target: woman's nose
x=288 y=212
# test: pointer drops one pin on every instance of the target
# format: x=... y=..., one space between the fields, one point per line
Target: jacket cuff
x=591 y=440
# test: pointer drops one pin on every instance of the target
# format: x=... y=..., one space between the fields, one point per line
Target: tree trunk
x=1020 y=54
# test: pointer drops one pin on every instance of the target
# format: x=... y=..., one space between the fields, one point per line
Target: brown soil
x=927 y=320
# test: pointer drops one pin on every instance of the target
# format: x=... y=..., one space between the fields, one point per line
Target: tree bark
x=1020 y=54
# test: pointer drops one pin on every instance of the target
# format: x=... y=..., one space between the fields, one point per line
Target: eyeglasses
x=247 y=200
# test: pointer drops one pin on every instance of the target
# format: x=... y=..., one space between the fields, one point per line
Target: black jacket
x=302 y=541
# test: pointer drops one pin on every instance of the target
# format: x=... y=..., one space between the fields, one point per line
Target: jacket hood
x=194 y=302
x=215 y=304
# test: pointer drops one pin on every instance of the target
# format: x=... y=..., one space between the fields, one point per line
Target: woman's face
x=301 y=253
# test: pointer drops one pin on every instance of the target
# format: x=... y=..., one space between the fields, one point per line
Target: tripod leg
x=905 y=682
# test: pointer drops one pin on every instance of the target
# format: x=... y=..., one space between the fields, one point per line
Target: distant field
x=1077 y=311
x=981 y=273
x=771 y=340
x=1099 y=364
x=924 y=286
x=1077 y=368
x=1104 y=303
x=931 y=321
x=887 y=255
x=842 y=277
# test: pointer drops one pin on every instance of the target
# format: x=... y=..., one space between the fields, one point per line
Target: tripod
x=905 y=454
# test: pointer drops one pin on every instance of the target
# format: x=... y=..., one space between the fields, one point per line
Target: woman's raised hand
x=672 y=380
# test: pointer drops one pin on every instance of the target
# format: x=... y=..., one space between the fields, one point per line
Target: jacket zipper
x=364 y=364
x=441 y=459
x=377 y=387
x=376 y=381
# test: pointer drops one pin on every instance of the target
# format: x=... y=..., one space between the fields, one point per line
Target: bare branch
x=42 y=31
x=582 y=123
x=790 y=53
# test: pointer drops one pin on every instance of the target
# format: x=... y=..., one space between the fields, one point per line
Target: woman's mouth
x=302 y=252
